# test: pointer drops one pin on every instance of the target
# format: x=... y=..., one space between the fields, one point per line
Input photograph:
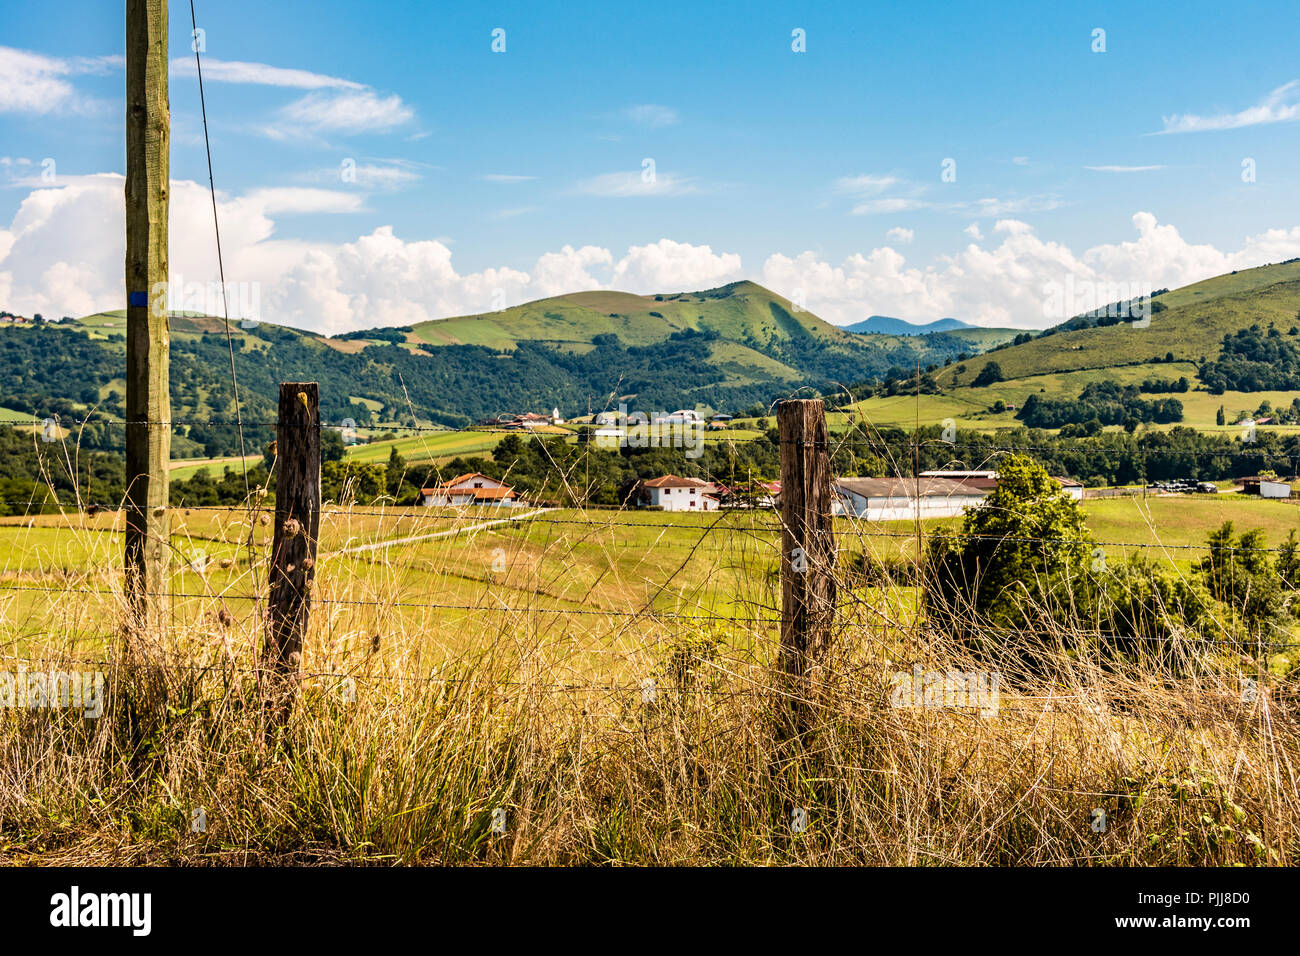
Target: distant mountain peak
x=887 y=325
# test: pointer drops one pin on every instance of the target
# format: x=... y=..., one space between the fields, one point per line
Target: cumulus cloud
x=62 y=254
x=668 y=266
x=1279 y=106
x=973 y=230
x=63 y=251
x=1008 y=285
x=899 y=234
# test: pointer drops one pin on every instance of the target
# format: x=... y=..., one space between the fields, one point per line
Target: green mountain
x=728 y=348
x=1231 y=342
x=888 y=325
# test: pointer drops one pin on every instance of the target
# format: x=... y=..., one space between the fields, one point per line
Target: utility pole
x=148 y=404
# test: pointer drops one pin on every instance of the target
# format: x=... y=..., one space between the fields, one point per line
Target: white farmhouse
x=470 y=489
x=679 y=494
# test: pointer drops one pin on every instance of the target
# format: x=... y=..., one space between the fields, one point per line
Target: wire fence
x=758 y=527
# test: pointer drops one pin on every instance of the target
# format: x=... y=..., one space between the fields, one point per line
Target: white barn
x=904 y=499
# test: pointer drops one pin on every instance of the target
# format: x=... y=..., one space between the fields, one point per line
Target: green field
x=1191 y=328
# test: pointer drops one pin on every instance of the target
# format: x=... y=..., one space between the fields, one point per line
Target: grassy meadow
x=607 y=678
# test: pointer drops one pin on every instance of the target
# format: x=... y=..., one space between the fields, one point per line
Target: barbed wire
x=417 y=512
x=673 y=429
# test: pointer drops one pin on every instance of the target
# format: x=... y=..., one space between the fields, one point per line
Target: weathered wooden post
x=293 y=549
x=807 y=548
x=148 y=404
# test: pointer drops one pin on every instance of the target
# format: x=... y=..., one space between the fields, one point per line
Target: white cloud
x=383 y=175
x=1004 y=286
x=973 y=230
x=1124 y=169
x=900 y=234
x=633 y=183
x=505 y=178
x=1279 y=106
x=569 y=270
x=351 y=112
x=34 y=83
x=1020 y=160
x=866 y=183
x=62 y=254
x=234 y=71
x=668 y=266
x=295 y=199
x=874 y=207
x=652 y=115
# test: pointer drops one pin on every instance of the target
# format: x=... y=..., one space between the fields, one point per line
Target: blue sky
x=818 y=171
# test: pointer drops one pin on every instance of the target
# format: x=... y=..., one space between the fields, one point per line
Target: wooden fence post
x=293 y=550
x=807 y=548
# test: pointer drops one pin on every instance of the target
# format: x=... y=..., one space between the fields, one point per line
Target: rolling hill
x=1184 y=338
x=726 y=348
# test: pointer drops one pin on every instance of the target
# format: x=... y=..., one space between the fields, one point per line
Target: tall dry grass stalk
x=616 y=698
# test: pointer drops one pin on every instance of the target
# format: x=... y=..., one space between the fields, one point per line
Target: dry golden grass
x=506 y=668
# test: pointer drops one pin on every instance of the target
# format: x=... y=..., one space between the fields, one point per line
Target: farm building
x=608 y=436
x=678 y=494
x=904 y=499
x=988 y=480
x=471 y=489
x=1265 y=487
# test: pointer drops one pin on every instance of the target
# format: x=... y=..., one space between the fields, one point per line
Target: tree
x=990 y=373
x=1021 y=559
x=331 y=445
x=1220 y=418
x=1238 y=573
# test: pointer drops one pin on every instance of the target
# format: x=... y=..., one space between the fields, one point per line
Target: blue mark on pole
x=138 y=298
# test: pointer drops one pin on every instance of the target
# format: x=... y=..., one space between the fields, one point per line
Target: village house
x=678 y=494
x=683 y=416
x=526 y=421
x=471 y=489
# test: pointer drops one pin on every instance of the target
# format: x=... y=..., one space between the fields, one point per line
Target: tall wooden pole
x=148 y=404
x=293 y=548
x=807 y=549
